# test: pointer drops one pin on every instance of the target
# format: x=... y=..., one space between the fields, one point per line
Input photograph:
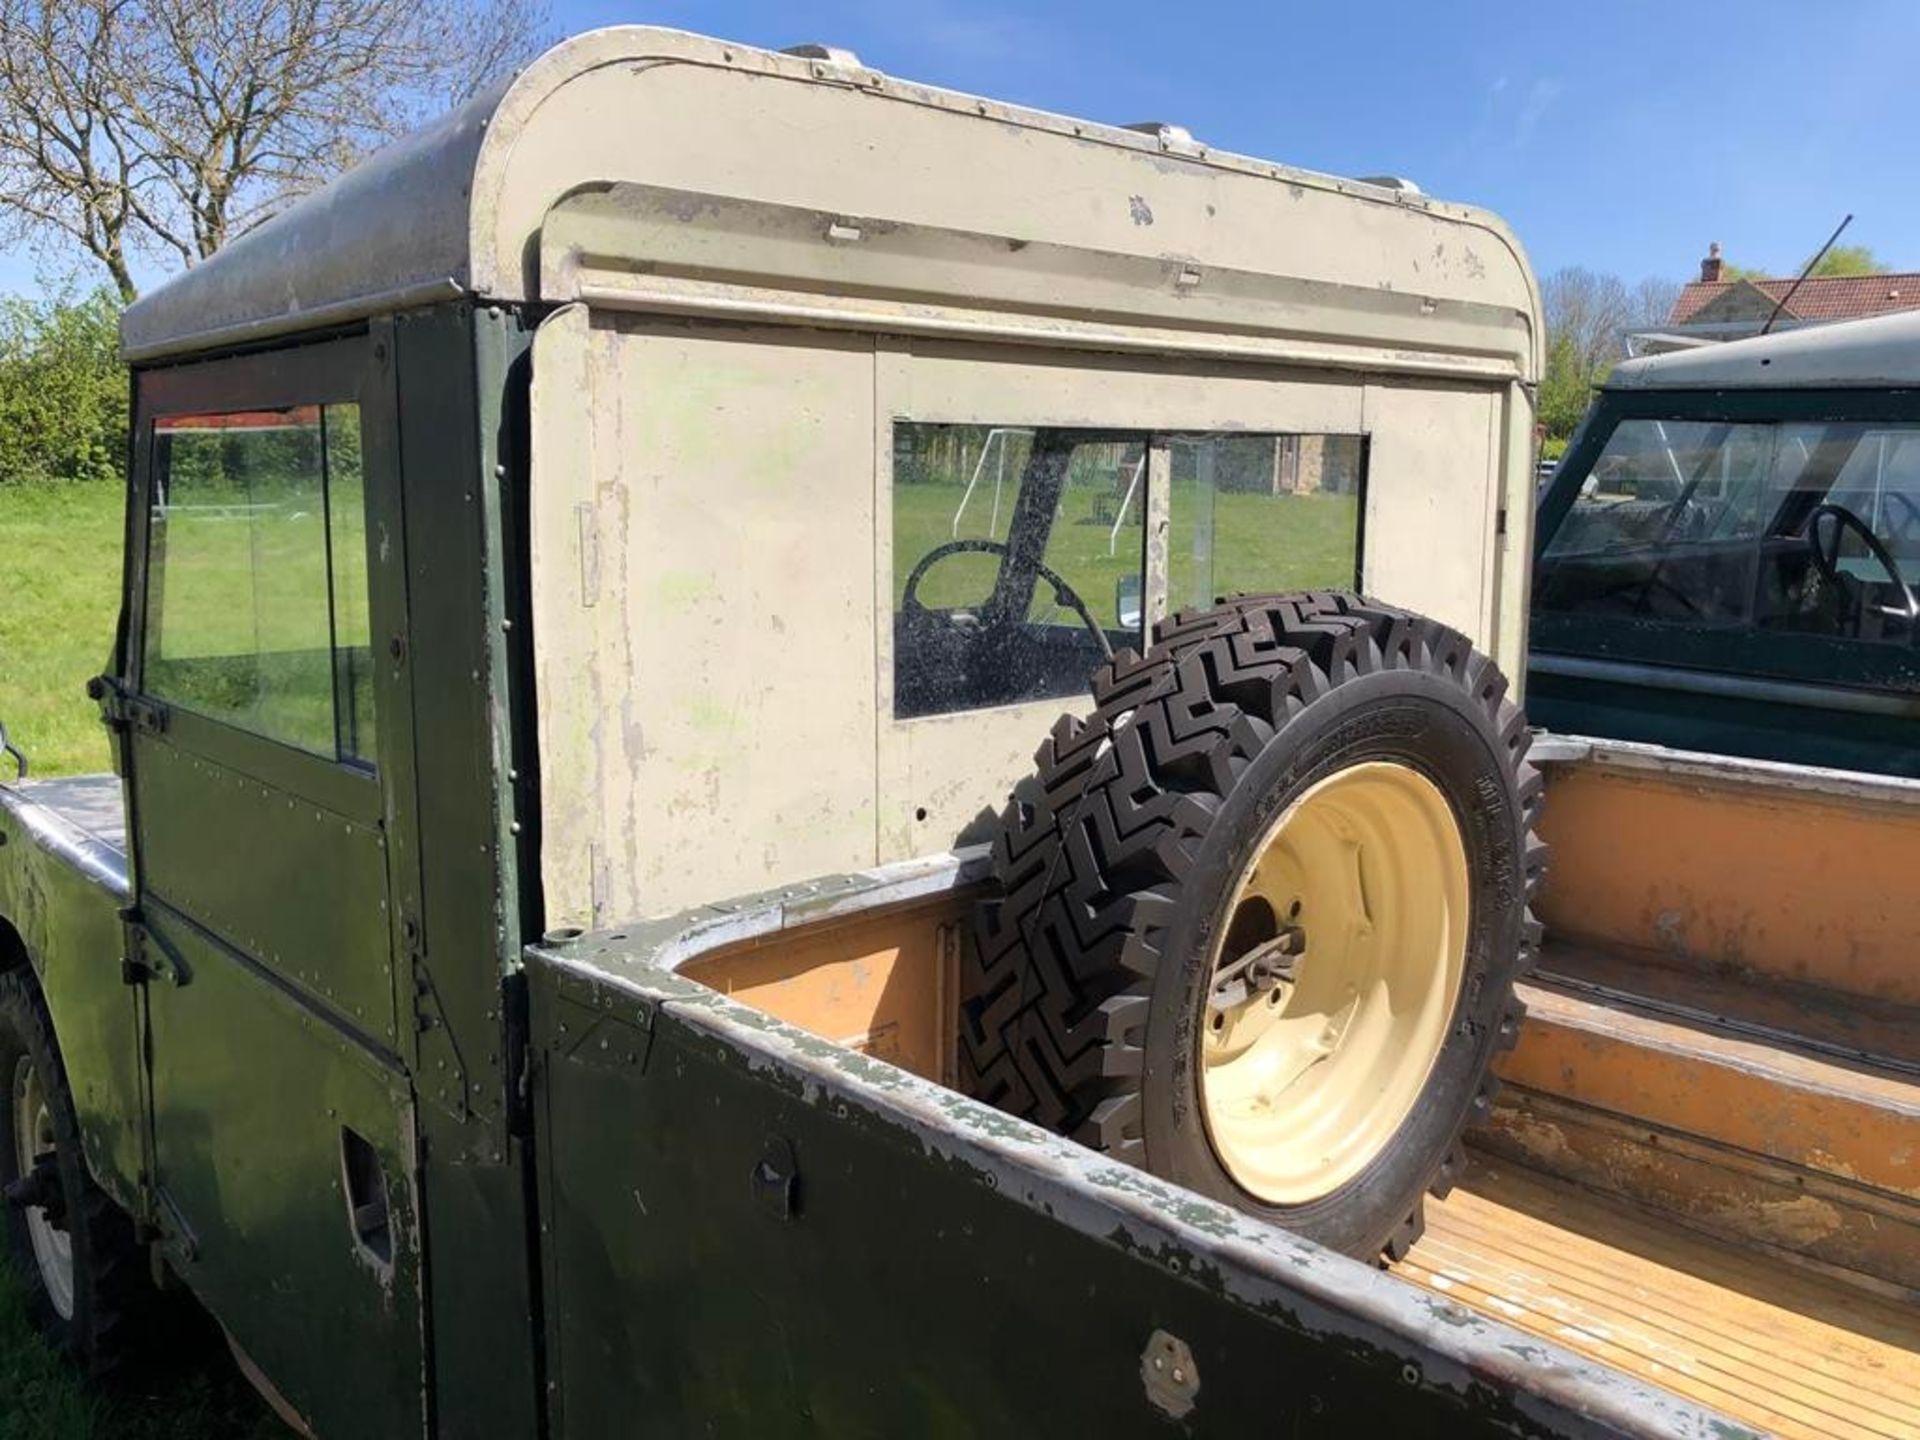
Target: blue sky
x=1622 y=137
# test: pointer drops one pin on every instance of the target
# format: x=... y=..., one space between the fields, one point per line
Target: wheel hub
x=38 y=1190
x=1313 y=1056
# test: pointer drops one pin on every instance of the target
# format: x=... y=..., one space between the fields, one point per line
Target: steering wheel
x=1829 y=562
x=1063 y=593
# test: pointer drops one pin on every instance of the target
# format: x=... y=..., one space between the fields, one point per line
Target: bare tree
x=162 y=127
x=1588 y=312
x=1652 y=302
x=1588 y=318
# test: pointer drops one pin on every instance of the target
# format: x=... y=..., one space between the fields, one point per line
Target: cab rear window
x=1019 y=551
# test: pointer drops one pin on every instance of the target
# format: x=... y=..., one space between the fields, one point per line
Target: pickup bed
x=776 y=1064
x=1690 y=1193
x=1707 y=1189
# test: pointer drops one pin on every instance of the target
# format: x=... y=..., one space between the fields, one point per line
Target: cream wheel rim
x=33 y=1137
x=1333 y=981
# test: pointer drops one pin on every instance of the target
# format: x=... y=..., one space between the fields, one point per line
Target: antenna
x=1792 y=289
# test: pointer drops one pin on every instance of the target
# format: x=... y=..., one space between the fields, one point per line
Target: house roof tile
x=1821 y=297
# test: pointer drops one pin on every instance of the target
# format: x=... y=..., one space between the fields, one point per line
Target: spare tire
x=1259 y=916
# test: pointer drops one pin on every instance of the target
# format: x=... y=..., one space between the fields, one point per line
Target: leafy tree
x=1565 y=388
x=165 y=126
x=63 y=390
x=1848 y=260
x=1840 y=260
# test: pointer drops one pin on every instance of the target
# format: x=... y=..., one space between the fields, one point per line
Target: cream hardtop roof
x=1879 y=353
x=644 y=126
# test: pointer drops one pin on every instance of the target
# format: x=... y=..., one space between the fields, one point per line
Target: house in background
x=1712 y=309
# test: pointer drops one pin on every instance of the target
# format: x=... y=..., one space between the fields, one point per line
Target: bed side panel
x=777 y=1235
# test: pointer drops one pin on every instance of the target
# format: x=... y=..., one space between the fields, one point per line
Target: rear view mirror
x=1126 y=602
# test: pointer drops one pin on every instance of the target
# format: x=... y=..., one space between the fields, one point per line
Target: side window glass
x=1015 y=552
x=256 y=579
x=1252 y=513
x=1666 y=525
x=1843 y=560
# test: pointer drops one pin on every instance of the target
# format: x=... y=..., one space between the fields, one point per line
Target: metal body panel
x=707 y=717
x=61 y=891
x=1433 y=510
x=252 y=1091
x=1711 y=862
x=1689 y=709
x=1882 y=352
x=680 y=682
x=1722 y=1024
x=464 y=796
x=464 y=203
x=198 y=817
x=389 y=233
x=1013 y=1232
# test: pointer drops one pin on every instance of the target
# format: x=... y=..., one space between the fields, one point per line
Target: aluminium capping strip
x=1204 y=1242
x=949 y=323
x=97 y=860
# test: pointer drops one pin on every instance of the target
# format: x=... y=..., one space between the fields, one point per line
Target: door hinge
x=147 y=957
x=124 y=710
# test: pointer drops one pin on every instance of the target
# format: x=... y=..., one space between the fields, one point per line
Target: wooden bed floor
x=1758 y=1339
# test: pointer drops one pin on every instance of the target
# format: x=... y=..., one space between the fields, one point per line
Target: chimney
x=1710 y=267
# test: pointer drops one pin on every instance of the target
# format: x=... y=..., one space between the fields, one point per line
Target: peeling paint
x=1299 y=1285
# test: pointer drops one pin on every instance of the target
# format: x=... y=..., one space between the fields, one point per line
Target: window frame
x=1156 y=567
x=1748 y=651
x=344 y=370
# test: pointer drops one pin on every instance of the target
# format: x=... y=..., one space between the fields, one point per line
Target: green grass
x=59 y=601
x=256 y=634
x=194 y=1392
x=1259 y=542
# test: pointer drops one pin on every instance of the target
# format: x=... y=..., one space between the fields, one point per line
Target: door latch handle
x=365 y=1186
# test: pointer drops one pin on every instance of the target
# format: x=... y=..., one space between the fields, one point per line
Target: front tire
x=1263 y=910
x=72 y=1251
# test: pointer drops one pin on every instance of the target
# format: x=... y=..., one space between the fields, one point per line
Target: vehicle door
x=1737 y=573
x=265 y=534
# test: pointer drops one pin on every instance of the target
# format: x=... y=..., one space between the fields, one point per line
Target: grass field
x=195 y=1396
x=1255 y=542
x=59 y=599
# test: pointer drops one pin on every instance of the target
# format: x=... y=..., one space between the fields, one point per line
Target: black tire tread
x=1058 y=985
x=110 y=1266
